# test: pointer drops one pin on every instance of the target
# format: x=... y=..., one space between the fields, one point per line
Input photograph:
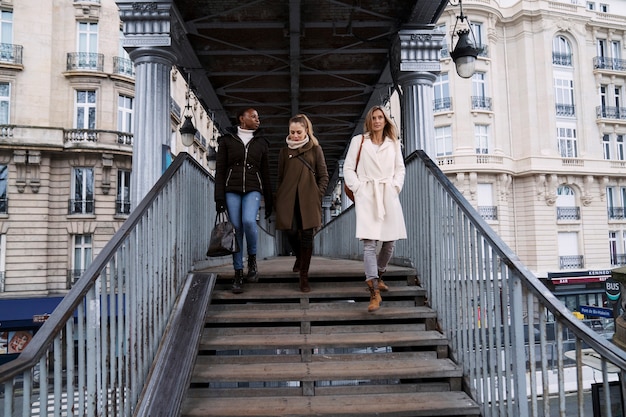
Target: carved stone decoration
x=107 y=164
x=417 y=50
x=20 y=158
x=604 y=182
x=587 y=197
x=460 y=182
x=34 y=170
x=473 y=184
x=551 y=186
x=505 y=185
x=540 y=184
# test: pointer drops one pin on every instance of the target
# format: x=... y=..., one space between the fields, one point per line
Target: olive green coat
x=295 y=178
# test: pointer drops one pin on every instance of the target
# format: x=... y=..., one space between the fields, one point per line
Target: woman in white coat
x=374 y=171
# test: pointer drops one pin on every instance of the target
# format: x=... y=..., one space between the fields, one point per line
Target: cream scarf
x=297 y=144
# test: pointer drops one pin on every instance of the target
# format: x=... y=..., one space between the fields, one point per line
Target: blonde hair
x=389 y=130
x=308 y=126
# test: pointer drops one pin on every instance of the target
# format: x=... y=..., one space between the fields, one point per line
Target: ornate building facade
x=535 y=139
x=66 y=143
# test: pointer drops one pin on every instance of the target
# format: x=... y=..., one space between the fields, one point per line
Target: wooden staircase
x=274 y=351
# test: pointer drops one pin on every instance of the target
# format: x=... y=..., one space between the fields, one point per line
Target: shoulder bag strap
x=358 y=156
x=305 y=162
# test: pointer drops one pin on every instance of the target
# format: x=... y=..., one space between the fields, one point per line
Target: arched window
x=561 y=51
x=566 y=208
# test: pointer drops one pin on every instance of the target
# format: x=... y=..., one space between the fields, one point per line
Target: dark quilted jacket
x=241 y=169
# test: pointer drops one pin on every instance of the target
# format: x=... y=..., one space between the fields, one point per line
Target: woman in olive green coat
x=302 y=182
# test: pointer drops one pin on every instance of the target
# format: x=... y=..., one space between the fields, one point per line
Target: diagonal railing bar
x=523 y=352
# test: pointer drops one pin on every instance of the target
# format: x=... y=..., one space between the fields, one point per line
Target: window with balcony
x=443 y=140
x=477 y=29
x=5 y=103
x=567 y=144
x=604 y=8
x=479 y=92
x=481 y=137
x=81 y=257
x=569 y=257
x=613 y=147
x=4 y=179
x=121 y=63
x=617 y=247
x=85 y=110
x=87 y=46
x=82 y=201
x=441 y=87
x=566 y=208
x=561 y=51
x=615 y=201
x=564 y=95
x=9 y=53
x=122 y=202
x=486 y=208
x=124 y=119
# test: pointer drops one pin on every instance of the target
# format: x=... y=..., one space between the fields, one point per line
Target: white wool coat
x=376 y=184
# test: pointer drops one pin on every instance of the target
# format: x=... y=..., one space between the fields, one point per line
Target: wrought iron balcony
x=562 y=59
x=442 y=104
x=123 y=66
x=122 y=206
x=571 y=262
x=611 y=112
x=488 y=212
x=568 y=213
x=616 y=213
x=85 y=61
x=11 y=54
x=481 y=103
x=81 y=206
x=565 y=110
x=613 y=64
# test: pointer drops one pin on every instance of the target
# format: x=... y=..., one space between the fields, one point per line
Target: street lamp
x=187 y=130
x=465 y=51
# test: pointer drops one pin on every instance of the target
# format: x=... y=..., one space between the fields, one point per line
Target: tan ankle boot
x=381 y=284
x=375 y=298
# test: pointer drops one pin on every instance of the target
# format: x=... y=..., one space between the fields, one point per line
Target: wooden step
x=388 y=404
x=275 y=351
x=276 y=339
x=364 y=366
x=339 y=311
x=291 y=291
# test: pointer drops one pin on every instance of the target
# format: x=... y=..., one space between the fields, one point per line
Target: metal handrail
x=94 y=352
x=521 y=349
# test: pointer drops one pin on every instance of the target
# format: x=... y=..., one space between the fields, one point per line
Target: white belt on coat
x=378 y=198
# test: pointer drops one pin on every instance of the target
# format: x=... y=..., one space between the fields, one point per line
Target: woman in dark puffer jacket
x=241 y=179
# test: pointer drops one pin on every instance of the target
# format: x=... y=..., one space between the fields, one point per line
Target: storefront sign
x=596 y=311
x=579 y=277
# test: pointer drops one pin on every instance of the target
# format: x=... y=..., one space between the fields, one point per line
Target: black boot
x=238 y=282
x=252 y=271
x=305 y=261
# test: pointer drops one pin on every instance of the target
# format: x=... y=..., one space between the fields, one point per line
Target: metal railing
x=495 y=313
x=94 y=353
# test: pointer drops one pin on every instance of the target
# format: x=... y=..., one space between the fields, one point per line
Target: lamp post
x=188 y=130
x=465 y=51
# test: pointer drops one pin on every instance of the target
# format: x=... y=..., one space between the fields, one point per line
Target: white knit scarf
x=297 y=144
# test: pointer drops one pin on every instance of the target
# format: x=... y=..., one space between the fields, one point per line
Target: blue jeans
x=242 y=210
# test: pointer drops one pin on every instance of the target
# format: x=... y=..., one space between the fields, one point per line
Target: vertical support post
x=415 y=65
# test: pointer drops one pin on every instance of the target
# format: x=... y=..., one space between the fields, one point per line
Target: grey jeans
x=375 y=265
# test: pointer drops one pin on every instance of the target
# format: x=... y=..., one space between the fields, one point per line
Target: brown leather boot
x=375 y=298
x=305 y=261
x=381 y=284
